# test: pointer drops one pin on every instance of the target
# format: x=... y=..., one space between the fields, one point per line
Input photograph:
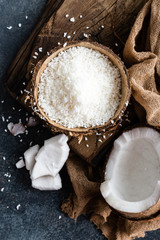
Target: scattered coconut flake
x=18 y=206
x=87 y=27
x=9 y=180
x=9 y=28
x=100 y=140
x=85 y=138
x=4 y=158
x=26 y=17
x=19 y=24
x=32 y=122
x=68 y=36
x=40 y=49
x=65 y=44
x=30 y=144
x=87 y=145
x=8 y=175
x=59 y=43
x=85 y=35
x=127 y=103
x=36 y=53
x=67 y=15
x=116 y=44
x=98 y=134
x=102 y=26
x=80 y=16
x=2 y=101
x=65 y=34
x=5 y=130
x=35 y=57
x=72 y=19
x=74 y=32
x=3 y=119
x=112 y=121
x=59 y=217
x=7 y=206
x=20 y=164
x=104 y=136
x=2 y=189
x=17 y=128
x=48 y=53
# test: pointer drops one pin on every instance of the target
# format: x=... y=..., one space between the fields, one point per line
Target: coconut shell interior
x=125 y=91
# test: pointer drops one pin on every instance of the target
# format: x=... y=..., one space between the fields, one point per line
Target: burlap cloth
x=141 y=54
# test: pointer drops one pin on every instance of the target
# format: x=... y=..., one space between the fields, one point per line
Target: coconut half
x=132 y=177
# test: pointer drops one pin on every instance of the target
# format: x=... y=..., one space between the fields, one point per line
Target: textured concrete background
x=39 y=216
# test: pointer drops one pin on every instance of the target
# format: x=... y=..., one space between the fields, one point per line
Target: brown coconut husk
x=125 y=91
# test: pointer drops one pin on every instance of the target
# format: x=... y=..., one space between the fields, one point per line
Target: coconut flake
x=9 y=28
x=72 y=19
x=18 y=206
x=40 y=49
x=65 y=34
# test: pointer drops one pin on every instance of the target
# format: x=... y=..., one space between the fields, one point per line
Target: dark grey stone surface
x=38 y=215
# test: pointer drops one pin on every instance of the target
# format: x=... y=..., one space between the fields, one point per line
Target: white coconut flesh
x=45 y=163
x=132 y=177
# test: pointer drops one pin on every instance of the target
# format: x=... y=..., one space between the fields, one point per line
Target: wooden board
x=105 y=21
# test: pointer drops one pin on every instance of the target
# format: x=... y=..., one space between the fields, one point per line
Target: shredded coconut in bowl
x=80 y=87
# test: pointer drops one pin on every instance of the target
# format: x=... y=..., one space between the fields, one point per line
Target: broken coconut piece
x=20 y=164
x=51 y=157
x=132 y=177
x=29 y=156
x=44 y=164
x=47 y=183
x=17 y=128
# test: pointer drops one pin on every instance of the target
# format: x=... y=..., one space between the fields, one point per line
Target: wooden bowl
x=125 y=91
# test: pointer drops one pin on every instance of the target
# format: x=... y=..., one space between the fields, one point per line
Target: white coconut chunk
x=20 y=164
x=29 y=157
x=51 y=157
x=132 y=177
x=47 y=183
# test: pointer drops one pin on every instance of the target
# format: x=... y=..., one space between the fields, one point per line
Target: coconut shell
x=145 y=214
x=148 y=213
x=125 y=91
